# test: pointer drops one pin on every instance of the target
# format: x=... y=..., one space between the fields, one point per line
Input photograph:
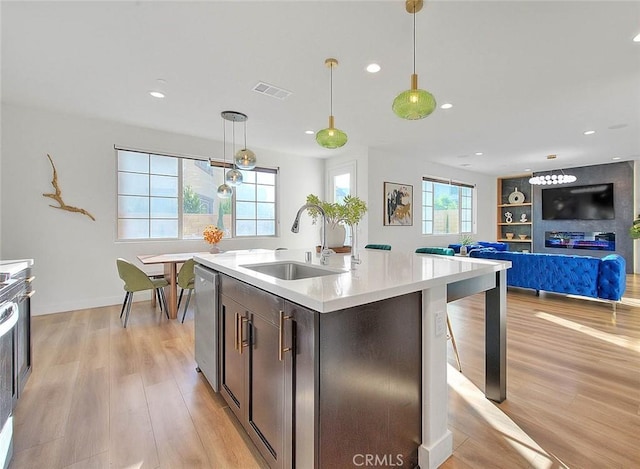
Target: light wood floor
x=101 y=396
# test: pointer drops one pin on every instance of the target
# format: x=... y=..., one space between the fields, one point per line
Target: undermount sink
x=288 y=270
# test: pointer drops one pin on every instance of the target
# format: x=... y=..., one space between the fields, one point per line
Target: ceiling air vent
x=270 y=90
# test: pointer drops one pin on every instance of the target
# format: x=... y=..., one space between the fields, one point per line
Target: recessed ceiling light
x=158 y=90
x=446 y=106
x=637 y=38
x=309 y=132
x=479 y=153
x=373 y=68
x=527 y=170
x=616 y=158
x=589 y=132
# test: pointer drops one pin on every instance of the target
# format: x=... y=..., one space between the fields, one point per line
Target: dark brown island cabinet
x=322 y=390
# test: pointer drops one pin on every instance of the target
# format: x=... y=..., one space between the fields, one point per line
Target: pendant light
x=331 y=137
x=414 y=103
x=225 y=191
x=233 y=177
x=245 y=158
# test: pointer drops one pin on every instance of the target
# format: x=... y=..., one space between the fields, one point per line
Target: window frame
x=180 y=176
x=350 y=168
x=472 y=210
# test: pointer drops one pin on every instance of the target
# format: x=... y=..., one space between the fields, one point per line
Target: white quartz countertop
x=381 y=275
x=15 y=266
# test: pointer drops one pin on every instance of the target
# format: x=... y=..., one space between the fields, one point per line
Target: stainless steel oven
x=10 y=293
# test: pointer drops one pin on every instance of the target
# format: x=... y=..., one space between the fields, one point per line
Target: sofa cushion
x=436 y=250
x=497 y=245
x=480 y=245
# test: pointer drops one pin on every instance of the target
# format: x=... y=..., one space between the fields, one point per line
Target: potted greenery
x=634 y=231
x=466 y=240
x=349 y=212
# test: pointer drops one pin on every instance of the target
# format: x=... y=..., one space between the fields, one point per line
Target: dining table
x=170 y=262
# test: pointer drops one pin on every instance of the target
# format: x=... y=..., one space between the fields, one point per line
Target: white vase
x=335 y=236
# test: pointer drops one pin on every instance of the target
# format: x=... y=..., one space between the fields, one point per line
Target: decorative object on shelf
x=245 y=158
x=331 y=137
x=523 y=218
x=551 y=178
x=398 y=204
x=213 y=235
x=350 y=212
x=508 y=217
x=57 y=195
x=634 y=231
x=516 y=197
x=414 y=103
x=509 y=235
x=522 y=236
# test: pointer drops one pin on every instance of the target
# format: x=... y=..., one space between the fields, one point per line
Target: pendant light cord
x=331 y=89
x=233 y=147
x=414 y=38
x=224 y=148
x=245 y=134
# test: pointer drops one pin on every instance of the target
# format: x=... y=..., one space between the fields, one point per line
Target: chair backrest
x=436 y=250
x=134 y=278
x=384 y=247
x=187 y=275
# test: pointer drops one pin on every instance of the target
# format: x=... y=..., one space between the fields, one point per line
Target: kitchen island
x=349 y=367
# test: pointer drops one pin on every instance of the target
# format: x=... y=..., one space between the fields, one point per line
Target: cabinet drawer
x=257 y=301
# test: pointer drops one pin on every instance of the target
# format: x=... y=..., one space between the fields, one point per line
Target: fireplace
x=593 y=240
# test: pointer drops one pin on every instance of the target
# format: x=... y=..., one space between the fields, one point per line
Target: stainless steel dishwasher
x=206 y=324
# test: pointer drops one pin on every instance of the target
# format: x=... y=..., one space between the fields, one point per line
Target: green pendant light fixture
x=414 y=103
x=331 y=137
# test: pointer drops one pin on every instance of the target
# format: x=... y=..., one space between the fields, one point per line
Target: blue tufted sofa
x=603 y=278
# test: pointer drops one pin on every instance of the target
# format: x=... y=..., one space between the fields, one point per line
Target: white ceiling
x=526 y=77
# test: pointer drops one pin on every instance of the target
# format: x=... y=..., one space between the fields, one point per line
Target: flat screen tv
x=593 y=202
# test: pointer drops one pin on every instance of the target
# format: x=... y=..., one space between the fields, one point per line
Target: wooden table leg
x=171 y=292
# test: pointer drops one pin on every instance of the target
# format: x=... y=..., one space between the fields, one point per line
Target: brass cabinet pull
x=30 y=279
x=236 y=329
x=241 y=342
x=30 y=294
x=282 y=350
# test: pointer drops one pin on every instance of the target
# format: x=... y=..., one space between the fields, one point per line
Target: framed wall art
x=398 y=204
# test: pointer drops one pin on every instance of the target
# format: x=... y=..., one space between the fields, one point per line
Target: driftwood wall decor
x=57 y=195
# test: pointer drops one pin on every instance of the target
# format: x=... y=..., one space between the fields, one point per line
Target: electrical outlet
x=440 y=325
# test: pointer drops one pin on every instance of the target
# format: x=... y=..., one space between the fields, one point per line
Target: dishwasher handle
x=10 y=320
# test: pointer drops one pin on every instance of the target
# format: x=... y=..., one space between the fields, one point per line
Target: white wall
x=389 y=167
x=74 y=256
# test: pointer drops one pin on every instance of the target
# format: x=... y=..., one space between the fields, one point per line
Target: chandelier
x=550 y=179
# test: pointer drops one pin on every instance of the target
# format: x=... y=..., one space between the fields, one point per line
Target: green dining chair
x=384 y=247
x=135 y=279
x=186 y=281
